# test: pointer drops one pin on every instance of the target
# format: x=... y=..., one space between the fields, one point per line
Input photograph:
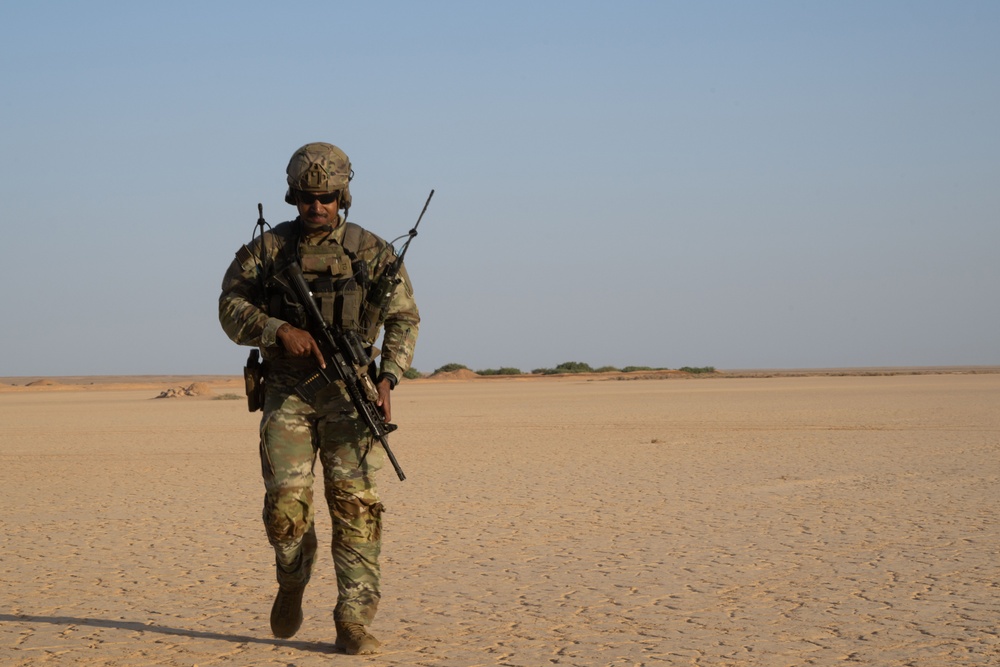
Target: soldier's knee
x=355 y=520
x=288 y=514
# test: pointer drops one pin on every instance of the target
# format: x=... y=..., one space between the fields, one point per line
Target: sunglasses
x=307 y=198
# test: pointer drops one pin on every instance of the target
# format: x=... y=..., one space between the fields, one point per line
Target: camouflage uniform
x=294 y=432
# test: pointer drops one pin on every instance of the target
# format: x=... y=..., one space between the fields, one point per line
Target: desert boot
x=286 y=613
x=354 y=639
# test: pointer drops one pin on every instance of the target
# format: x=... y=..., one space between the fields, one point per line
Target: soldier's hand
x=299 y=343
x=384 y=388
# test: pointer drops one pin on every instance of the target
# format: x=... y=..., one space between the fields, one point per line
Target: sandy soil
x=545 y=521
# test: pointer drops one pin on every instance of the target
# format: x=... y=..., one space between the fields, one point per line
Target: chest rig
x=337 y=279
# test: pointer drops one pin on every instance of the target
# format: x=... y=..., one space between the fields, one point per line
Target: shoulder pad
x=352 y=237
x=244 y=255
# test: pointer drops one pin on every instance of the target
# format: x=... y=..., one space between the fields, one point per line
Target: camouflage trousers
x=293 y=434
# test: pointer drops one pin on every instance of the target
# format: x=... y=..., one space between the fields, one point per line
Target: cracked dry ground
x=776 y=521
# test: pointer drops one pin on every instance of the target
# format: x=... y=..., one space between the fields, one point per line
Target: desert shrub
x=228 y=397
x=606 y=369
x=412 y=374
x=565 y=367
x=447 y=368
x=698 y=369
x=506 y=370
x=574 y=367
x=632 y=369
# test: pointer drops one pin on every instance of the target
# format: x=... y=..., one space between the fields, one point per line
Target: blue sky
x=744 y=185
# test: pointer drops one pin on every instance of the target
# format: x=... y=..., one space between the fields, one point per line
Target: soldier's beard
x=323 y=224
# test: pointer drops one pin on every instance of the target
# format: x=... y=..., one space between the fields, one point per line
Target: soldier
x=336 y=257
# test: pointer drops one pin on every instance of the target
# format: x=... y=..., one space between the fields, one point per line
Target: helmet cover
x=320 y=168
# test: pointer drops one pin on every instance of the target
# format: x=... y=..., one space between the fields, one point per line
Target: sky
x=777 y=184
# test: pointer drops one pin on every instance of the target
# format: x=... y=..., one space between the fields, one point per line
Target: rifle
x=345 y=353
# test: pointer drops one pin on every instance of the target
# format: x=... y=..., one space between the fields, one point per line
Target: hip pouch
x=253 y=379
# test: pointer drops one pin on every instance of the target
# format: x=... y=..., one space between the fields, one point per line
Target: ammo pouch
x=339 y=301
x=331 y=276
x=282 y=306
x=253 y=378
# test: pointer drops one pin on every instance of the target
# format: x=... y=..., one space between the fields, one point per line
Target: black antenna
x=262 y=262
x=413 y=232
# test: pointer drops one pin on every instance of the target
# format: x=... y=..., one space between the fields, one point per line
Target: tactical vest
x=332 y=273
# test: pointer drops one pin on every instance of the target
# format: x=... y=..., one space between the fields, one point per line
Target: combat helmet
x=320 y=168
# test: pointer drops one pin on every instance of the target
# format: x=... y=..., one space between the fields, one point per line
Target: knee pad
x=288 y=514
x=356 y=521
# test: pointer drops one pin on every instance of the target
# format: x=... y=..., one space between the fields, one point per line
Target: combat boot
x=354 y=639
x=286 y=613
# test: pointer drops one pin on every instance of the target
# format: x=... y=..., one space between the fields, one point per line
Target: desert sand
x=820 y=520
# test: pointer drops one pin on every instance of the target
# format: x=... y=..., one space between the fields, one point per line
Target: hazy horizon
x=720 y=372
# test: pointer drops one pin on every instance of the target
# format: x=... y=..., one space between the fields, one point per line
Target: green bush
x=698 y=369
x=574 y=367
x=606 y=369
x=412 y=374
x=566 y=367
x=447 y=368
x=632 y=369
x=506 y=370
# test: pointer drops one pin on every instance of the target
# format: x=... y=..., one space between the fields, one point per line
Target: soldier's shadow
x=317 y=647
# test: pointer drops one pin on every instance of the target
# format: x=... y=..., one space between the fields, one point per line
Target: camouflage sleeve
x=402 y=323
x=243 y=320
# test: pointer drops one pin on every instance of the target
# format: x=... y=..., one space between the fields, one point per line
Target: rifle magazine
x=312 y=385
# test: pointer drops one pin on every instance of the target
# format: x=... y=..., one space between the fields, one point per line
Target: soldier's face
x=318 y=209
